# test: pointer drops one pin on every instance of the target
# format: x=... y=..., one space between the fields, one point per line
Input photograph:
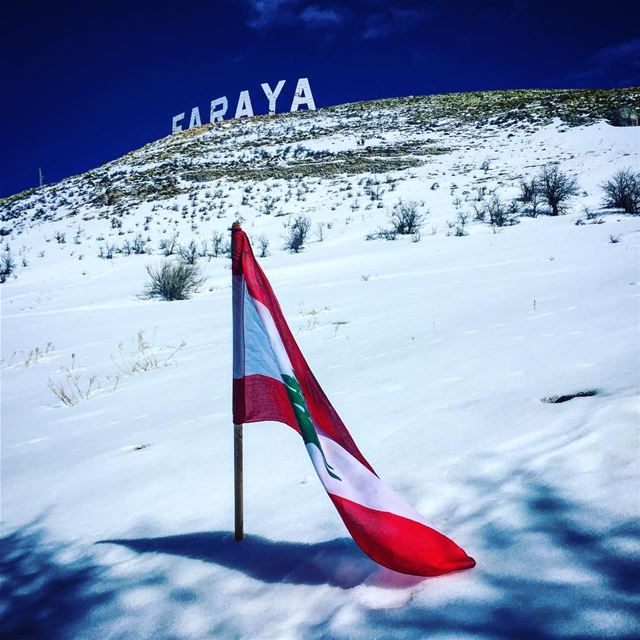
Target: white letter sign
x=272 y=96
x=303 y=96
x=175 y=127
x=217 y=114
x=244 y=107
x=194 y=121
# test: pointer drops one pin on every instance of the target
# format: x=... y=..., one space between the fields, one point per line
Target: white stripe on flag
x=357 y=483
x=268 y=325
x=263 y=351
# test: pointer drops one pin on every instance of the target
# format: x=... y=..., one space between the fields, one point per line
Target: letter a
x=303 y=95
x=244 y=107
x=195 y=121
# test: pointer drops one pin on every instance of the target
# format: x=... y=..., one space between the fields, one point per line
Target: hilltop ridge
x=376 y=136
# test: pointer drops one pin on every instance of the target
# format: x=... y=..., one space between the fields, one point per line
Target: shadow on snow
x=338 y=562
x=47 y=591
x=559 y=571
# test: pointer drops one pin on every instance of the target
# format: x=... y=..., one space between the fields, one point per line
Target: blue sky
x=85 y=82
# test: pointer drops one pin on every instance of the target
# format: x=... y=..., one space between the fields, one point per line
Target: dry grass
x=37 y=354
x=71 y=389
x=73 y=386
x=145 y=357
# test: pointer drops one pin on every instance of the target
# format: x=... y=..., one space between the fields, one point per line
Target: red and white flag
x=272 y=381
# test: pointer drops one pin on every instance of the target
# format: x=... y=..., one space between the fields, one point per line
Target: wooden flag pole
x=237 y=478
x=237 y=427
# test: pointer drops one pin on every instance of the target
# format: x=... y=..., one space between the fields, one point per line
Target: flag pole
x=237 y=427
x=237 y=478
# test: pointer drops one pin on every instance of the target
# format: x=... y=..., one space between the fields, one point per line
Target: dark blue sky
x=85 y=82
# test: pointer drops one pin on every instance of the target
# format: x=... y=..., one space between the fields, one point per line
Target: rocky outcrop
x=625 y=117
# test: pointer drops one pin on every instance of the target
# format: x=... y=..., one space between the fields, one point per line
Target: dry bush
x=555 y=187
x=406 y=217
x=622 y=191
x=173 y=281
x=297 y=235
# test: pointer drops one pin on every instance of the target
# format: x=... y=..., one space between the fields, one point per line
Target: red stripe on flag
x=399 y=543
x=258 y=398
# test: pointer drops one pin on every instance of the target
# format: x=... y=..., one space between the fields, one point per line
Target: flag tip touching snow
x=272 y=381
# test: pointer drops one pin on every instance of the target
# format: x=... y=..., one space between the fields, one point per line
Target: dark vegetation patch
x=322 y=169
x=587 y=393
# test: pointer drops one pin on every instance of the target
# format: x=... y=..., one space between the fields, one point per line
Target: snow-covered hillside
x=442 y=351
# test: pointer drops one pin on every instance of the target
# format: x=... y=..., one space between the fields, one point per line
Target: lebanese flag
x=272 y=381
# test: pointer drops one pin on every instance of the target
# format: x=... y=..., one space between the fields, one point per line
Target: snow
x=117 y=512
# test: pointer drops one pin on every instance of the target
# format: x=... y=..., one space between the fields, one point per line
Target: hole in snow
x=570 y=396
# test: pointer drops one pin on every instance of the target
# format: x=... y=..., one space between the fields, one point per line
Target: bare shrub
x=269 y=205
x=297 y=235
x=590 y=217
x=555 y=188
x=172 y=281
x=139 y=245
x=479 y=211
x=458 y=228
x=263 y=246
x=498 y=213
x=189 y=254
x=7 y=266
x=406 y=217
x=529 y=197
x=622 y=191
x=217 y=240
x=106 y=252
x=381 y=234
x=527 y=189
x=168 y=245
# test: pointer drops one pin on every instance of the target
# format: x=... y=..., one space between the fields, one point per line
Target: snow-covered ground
x=117 y=511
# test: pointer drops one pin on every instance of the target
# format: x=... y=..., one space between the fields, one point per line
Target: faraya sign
x=244 y=108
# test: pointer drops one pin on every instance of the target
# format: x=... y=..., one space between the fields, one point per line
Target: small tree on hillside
x=298 y=232
x=556 y=187
x=7 y=266
x=622 y=191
